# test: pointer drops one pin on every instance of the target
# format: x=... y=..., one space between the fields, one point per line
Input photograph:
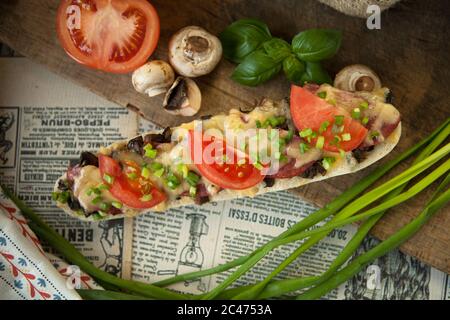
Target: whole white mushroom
x=153 y=78
x=194 y=52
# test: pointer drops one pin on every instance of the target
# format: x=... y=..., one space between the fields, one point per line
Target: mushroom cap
x=194 y=52
x=357 y=77
x=183 y=98
x=153 y=78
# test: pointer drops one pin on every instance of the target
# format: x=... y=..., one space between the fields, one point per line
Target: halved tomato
x=311 y=111
x=126 y=190
x=111 y=35
x=236 y=172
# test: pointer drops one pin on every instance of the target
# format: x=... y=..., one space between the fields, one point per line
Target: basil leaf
x=257 y=68
x=315 y=73
x=243 y=37
x=277 y=49
x=293 y=69
x=316 y=44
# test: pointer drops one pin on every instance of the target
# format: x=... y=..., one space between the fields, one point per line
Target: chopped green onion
x=336 y=140
x=273 y=121
x=98 y=216
x=89 y=191
x=324 y=126
x=306 y=132
x=192 y=191
x=327 y=162
x=241 y=162
x=151 y=153
x=146 y=198
x=258 y=124
x=374 y=134
x=356 y=113
x=289 y=136
x=258 y=165
x=320 y=142
x=342 y=153
x=365 y=120
x=172 y=181
x=55 y=195
x=109 y=179
x=132 y=175
x=192 y=178
x=145 y=172
x=148 y=146
x=96 y=200
x=64 y=196
x=104 y=206
x=303 y=147
x=183 y=169
x=158 y=173
x=102 y=187
x=172 y=185
x=322 y=94
x=346 y=137
x=117 y=204
x=156 y=166
x=364 y=105
x=339 y=120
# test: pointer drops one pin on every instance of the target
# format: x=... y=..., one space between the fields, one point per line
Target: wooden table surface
x=410 y=53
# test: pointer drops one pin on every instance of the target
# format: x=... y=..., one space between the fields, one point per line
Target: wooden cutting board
x=410 y=53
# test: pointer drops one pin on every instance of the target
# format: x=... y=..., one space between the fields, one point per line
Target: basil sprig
x=261 y=56
x=243 y=37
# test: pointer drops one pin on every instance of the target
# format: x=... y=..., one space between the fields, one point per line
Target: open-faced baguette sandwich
x=325 y=132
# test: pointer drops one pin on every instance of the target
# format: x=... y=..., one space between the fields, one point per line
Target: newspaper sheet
x=45 y=123
x=54 y=120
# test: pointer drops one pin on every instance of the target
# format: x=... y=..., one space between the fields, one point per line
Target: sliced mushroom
x=194 y=52
x=153 y=78
x=183 y=98
x=357 y=77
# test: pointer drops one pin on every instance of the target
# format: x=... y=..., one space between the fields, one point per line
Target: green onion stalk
x=394 y=241
x=346 y=212
x=331 y=208
x=289 y=285
x=73 y=256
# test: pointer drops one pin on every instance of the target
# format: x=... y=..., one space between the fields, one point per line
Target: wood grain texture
x=410 y=53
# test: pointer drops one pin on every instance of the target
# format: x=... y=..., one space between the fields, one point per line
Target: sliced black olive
x=156 y=138
x=88 y=159
x=74 y=204
x=136 y=145
x=63 y=185
x=360 y=154
x=314 y=170
x=206 y=117
x=269 y=182
x=246 y=109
